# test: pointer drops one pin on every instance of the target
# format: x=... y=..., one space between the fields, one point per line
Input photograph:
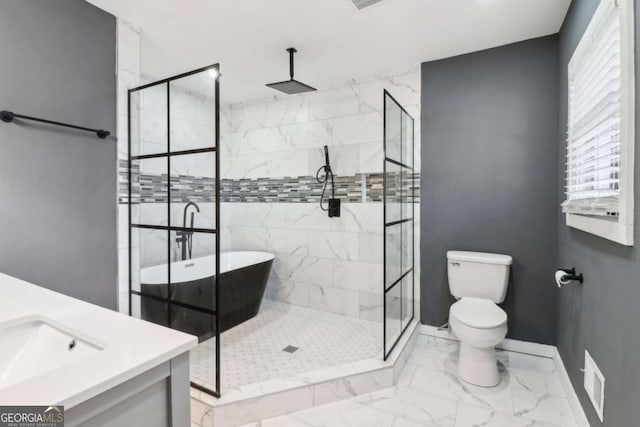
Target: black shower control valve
x=334 y=208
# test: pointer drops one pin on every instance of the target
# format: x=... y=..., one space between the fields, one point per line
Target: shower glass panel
x=398 y=222
x=392 y=129
x=174 y=211
x=193 y=190
x=148 y=173
x=393 y=316
x=148 y=121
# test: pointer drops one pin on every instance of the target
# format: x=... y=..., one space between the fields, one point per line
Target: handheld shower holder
x=333 y=208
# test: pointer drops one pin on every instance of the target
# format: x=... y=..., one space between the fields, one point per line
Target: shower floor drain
x=290 y=349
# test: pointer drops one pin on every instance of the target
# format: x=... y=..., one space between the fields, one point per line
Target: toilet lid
x=478 y=313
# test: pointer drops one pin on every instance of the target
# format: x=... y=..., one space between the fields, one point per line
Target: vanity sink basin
x=32 y=346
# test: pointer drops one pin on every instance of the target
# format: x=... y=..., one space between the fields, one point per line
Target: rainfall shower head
x=291 y=86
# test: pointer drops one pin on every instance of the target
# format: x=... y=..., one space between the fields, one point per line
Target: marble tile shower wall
x=129 y=76
x=328 y=264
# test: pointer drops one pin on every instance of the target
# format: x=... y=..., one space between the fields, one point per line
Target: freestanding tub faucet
x=185 y=238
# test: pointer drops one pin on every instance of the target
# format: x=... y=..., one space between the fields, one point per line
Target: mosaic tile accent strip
x=152 y=188
x=358 y=188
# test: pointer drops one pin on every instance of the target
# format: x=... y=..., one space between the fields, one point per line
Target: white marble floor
x=429 y=394
x=254 y=350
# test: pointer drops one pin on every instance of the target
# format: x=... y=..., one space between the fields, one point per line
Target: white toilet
x=479 y=281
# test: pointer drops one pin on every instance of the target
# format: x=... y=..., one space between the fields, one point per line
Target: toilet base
x=478 y=366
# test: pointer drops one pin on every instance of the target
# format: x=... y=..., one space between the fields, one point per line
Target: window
x=600 y=143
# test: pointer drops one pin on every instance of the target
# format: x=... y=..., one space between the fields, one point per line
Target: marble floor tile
x=536 y=381
x=432 y=353
x=404 y=402
x=429 y=393
x=447 y=384
x=473 y=416
x=403 y=422
x=407 y=374
x=345 y=413
x=543 y=407
x=281 y=421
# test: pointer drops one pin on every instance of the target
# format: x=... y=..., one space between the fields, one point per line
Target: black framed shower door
x=399 y=227
x=164 y=154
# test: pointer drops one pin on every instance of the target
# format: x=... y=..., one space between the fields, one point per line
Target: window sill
x=610 y=229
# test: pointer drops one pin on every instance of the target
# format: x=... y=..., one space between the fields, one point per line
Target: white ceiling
x=335 y=41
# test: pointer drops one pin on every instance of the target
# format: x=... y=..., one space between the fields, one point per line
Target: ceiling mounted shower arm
x=291 y=51
x=291 y=86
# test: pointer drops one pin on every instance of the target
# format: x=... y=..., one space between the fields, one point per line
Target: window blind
x=593 y=138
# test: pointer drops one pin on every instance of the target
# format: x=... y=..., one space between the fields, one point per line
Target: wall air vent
x=361 y=4
x=594 y=384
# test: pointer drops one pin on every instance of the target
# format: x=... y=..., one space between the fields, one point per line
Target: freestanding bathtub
x=243 y=279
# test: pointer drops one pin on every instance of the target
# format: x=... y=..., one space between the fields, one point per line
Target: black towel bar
x=8 y=116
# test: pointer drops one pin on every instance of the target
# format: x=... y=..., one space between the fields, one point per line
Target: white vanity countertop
x=131 y=346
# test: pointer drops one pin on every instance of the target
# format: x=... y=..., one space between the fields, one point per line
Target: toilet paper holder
x=571 y=275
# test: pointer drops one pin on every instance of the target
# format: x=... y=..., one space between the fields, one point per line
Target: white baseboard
x=535 y=349
x=574 y=402
x=542 y=350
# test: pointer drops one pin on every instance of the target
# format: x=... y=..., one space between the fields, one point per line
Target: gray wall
x=58 y=187
x=602 y=315
x=489 y=176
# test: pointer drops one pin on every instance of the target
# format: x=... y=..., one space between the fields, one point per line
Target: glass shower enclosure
x=174 y=209
x=398 y=222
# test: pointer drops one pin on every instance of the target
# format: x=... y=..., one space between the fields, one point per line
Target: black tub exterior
x=241 y=294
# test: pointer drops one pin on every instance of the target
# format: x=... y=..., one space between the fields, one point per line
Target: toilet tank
x=478 y=274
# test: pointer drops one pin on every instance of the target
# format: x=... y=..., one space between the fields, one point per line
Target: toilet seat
x=478 y=322
x=478 y=313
